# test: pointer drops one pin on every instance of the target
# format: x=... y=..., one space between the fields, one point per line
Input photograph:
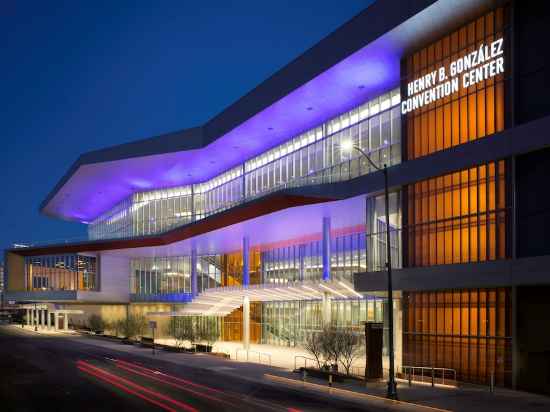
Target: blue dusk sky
x=82 y=75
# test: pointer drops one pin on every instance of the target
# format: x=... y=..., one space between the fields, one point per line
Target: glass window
x=375 y=127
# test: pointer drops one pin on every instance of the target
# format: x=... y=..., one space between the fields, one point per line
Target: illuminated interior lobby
x=270 y=218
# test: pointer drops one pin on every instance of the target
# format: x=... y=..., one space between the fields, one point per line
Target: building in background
x=1 y=284
x=262 y=220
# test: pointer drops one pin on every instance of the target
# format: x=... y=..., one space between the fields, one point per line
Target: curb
x=347 y=393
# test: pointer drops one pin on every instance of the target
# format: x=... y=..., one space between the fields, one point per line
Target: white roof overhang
x=224 y=300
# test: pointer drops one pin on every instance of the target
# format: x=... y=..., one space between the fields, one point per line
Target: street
x=54 y=373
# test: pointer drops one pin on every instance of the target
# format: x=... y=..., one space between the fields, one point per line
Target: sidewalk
x=418 y=397
x=45 y=331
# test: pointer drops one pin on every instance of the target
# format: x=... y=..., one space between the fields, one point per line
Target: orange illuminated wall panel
x=468 y=330
x=460 y=217
x=470 y=113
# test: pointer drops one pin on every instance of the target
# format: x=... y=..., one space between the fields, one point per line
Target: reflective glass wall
x=304 y=261
x=168 y=275
x=151 y=276
x=377 y=232
x=158 y=211
x=61 y=272
x=287 y=323
x=317 y=155
x=314 y=157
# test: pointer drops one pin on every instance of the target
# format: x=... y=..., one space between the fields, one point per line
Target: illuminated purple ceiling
x=284 y=225
x=94 y=187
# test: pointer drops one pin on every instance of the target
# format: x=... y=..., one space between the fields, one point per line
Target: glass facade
x=304 y=261
x=61 y=272
x=287 y=323
x=158 y=211
x=169 y=275
x=283 y=264
x=317 y=156
x=151 y=276
x=377 y=232
x=313 y=157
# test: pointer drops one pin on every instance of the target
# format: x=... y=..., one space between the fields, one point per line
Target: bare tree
x=314 y=344
x=350 y=347
x=329 y=346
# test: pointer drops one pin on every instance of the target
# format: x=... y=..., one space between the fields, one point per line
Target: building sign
x=483 y=63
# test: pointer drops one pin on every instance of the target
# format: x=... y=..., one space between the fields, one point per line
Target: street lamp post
x=35 y=318
x=392 y=386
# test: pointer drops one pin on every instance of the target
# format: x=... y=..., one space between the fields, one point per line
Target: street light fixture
x=35 y=318
x=347 y=145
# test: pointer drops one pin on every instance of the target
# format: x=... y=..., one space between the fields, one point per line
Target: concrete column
x=41 y=317
x=194 y=289
x=56 y=320
x=246 y=323
x=326 y=309
x=32 y=317
x=48 y=319
x=326 y=249
x=246 y=261
x=28 y=319
x=65 y=321
x=398 y=334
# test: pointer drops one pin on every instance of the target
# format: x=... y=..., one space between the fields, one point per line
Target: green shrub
x=96 y=323
x=133 y=326
x=208 y=331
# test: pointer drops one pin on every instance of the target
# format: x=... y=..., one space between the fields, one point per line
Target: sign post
x=153 y=326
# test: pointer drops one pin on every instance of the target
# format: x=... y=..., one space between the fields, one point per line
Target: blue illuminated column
x=301 y=257
x=326 y=249
x=246 y=261
x=194 y=290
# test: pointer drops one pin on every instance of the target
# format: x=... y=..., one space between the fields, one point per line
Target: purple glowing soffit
x=97 y=187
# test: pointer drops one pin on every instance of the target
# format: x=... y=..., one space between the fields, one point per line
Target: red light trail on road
x=162 y=379
x=126 y=386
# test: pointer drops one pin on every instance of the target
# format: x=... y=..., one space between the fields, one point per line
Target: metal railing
x=428 y=374
x=260 y=355
x=357 y=371
x=305 y=359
